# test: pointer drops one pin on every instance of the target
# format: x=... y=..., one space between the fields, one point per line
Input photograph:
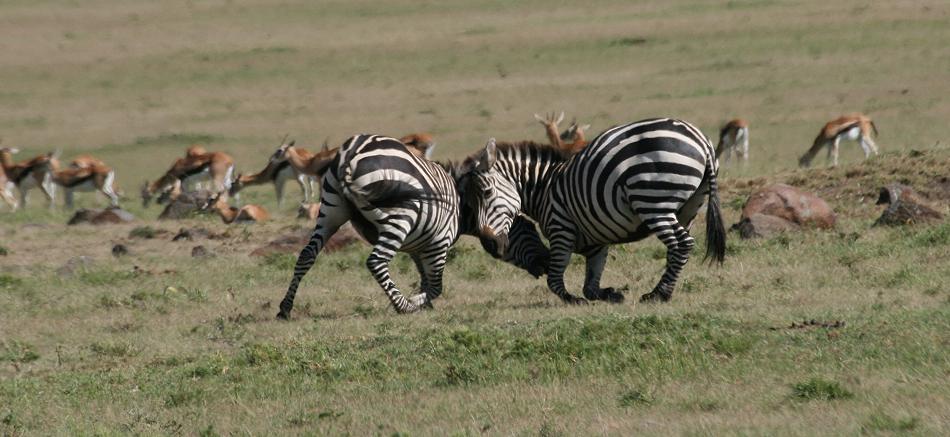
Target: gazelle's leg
x=833 y=151
x=68 y=193
x=333 y=213
x=745 y=146
x=279 y=190
x=6 y=192
x=868 y=145
x=48 y=187
x=596 y=259
x=108 y=188
x=678 y=245
x=305 y=187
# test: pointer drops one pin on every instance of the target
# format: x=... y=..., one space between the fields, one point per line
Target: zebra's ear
x=486 y=159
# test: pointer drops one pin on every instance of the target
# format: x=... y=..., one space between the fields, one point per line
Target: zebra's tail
x=715 y=230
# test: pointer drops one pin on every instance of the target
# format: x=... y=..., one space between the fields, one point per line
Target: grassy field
x=158 y=342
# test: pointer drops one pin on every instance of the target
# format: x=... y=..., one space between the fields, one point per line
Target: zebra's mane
x=543 y=151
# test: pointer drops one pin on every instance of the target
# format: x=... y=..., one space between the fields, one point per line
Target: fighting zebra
x=634 y=180
x=399 y=202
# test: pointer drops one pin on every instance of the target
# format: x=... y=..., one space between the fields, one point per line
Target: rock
x=905 y=207
x=76 y=263
x=761 y=225
x=189 y=234
x=201 y=252
x=119 y=250
x=292 y=243
x=106 y=216
x=185 y=205
x=791 y=204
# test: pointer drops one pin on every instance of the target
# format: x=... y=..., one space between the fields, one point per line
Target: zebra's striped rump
x=634 y=180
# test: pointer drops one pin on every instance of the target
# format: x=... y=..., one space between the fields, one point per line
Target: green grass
x=159 y=343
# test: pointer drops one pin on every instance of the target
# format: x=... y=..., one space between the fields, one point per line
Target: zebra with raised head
x=399 y=202
x=639 y=179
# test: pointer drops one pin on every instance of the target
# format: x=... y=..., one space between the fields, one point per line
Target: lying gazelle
x=36 y=172
x=573 y=133
x=278 y=171
x=852 y=127
x=198 y=165
x=85 y=173
x=230 y=214
x=734 y=138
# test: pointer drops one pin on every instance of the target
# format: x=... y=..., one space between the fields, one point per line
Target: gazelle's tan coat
x=277 y=171
x=86 y=173
x=574 y=133
x=734 y=138
x=230 y=214
x=185 y=173
x=852 y=127
x=25 y=175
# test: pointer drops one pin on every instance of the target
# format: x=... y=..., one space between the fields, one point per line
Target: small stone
x=200 y=252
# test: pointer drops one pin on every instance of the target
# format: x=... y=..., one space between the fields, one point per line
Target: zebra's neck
x=534 y=169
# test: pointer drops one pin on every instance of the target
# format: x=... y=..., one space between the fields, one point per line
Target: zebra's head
x=492 y=196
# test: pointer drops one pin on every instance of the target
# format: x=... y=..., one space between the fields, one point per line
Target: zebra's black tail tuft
x=715 y=230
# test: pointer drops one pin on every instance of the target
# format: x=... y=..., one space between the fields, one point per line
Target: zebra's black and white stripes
x=634 y=180
x=400 y=202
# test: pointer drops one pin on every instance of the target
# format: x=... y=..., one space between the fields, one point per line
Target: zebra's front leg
x=596 y=259
x=562 y=246
x=378 y=265
x=678 y=246
x=331 y=217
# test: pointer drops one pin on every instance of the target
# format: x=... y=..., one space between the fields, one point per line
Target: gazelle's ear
x=584 y=128
x=326 y=145
x=486 y=159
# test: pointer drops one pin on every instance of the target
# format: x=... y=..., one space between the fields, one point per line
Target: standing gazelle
x=574 y=133
x=86 y=173
x=25 y=175
x=197 y=165
x=852 y=127
x=734 y=138
x=277 y=171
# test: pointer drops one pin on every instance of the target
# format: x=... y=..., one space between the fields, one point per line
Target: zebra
x=400 y=202
x=634 y=180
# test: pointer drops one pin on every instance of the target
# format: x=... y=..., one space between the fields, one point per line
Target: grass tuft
x=820 y=389
x=17 y=352
x=885 y=423
x=633 y=397
x=9 y=281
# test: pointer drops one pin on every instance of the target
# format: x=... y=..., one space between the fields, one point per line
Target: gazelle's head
x=281 y=152
x=236 y=185
x=494 y=198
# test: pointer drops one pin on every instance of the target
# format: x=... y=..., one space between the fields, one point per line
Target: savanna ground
x=189 y=346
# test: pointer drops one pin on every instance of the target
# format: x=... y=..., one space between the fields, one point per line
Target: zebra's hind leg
x=431 y=266
x=596 y=259
x=378 y=265
x=331 y=217
x=678 y=245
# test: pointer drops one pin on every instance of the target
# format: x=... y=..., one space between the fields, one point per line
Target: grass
x=158 y=342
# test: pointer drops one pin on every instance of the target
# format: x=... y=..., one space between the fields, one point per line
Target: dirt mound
x=294 y=241
x=852 y=190
x=108 y=216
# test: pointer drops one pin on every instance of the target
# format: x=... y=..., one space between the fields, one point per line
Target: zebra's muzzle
x=495 y=243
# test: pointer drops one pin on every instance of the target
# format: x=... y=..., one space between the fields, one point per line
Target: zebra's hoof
x=574 y=300
x=604 y=294
x=655 y=296
x=283 y=315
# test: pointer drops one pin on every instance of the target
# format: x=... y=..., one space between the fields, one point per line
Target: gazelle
x=304 y=162
x=198 y=165
x=277 y=171
x=420 y=144
x=6 y=190
x=230 y=214
x=734 y=138
x=25 y=175
x=86 y=173
x=574 y=133
x=852 y=127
